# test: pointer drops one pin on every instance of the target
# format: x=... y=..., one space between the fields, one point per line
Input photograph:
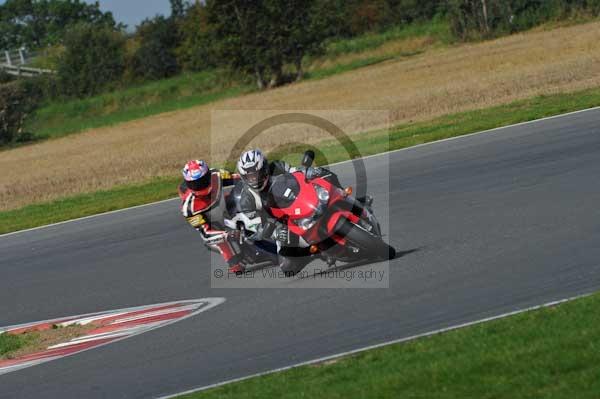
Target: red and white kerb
x=111 y=326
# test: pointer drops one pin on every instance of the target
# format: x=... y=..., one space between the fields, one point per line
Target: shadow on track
x=352 y=265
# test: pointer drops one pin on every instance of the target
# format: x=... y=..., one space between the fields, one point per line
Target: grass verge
x=321 y=73
x=188 y=90
x=87 y=204
x=401 y=136
x=437 y=29
x=11 y=343
x=546 y=353
x=13 y=346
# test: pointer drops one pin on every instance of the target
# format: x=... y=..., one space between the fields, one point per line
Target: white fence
x=15 y=62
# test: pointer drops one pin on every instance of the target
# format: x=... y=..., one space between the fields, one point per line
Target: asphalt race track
x=488 y=224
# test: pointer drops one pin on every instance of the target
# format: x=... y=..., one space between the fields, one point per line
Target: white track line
x=86 y=217
x=366 y=348
x=153 y=314
x=112 y=333
x=8 y=369
x=336 y=163
x=463 y=136
x=89 y=320
x=90 y=339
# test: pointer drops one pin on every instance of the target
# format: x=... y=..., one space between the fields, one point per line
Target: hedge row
x=17 y=100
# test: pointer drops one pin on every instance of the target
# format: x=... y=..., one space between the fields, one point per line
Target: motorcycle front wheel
x=368 y=243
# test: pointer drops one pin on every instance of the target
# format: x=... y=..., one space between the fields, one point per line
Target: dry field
x=437 y=82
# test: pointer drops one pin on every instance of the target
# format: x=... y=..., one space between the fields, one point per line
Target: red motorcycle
x=327 y=220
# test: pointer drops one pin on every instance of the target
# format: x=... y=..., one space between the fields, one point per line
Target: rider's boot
x=237 y=269
x=290 y=261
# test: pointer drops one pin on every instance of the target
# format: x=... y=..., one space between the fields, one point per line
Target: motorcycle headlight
x=322 y=194
x=309 y=222
x=306 y=223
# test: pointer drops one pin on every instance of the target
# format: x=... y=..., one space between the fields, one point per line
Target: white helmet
x=253 y=168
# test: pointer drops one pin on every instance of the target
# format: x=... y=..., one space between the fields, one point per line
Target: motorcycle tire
x=371 y=244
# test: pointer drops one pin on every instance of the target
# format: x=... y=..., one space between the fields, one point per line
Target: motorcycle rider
x=203 y=203
x=257 y=174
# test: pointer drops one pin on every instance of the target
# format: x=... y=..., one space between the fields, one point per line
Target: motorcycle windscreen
x=283 y=192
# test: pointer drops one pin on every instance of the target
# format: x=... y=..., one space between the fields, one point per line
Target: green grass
x=408 y=135
x=438 y=29
x=87 y=204
x=548 y=353
x=61 y=118
x=11 y=343
x=401 y=136
x=184 y=91
x=322 y=73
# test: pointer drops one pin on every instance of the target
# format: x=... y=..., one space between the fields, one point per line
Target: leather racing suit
x=206 y=214
x=292 y=259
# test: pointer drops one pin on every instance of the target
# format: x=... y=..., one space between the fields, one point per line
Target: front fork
x=359 y=212
x=369 y=222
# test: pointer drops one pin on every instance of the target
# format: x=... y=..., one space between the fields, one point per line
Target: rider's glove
x=225 y=174
x=196 y=221
x=314 y=172
x=234 y=235
x=282 y=233
x=265 y=231
x=258 y=236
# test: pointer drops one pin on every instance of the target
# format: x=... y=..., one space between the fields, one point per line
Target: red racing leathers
x=205 y=214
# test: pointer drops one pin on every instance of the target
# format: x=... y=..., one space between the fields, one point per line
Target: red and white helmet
x=197 y=177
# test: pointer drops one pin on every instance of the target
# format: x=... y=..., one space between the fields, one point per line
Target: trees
x=158 y=42
x=17 y=100
x=407 y=11
x=37 y=23
x=93 y=58
x=12 y=113
x=259 y=37
x=472 y=19
x=197 y=50
x=155 y=58
x=266 y=39
x=178 y=8
x=238 y=42
x=305 y=35
x=479 y=18
x=369 y=15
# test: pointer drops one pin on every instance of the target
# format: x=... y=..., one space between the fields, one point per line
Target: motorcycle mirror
x=308 y=159
x=309 y=174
